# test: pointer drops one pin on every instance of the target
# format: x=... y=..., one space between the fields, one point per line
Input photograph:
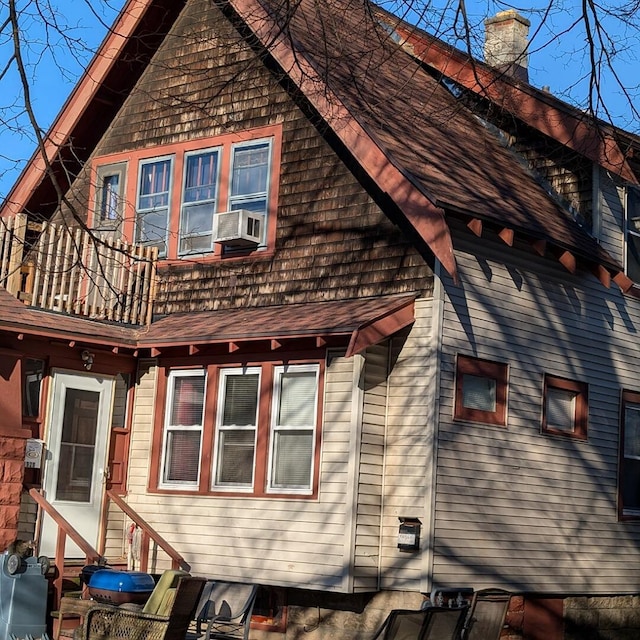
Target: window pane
x=240 y=400
x=235 y=451
x=632 y=431
x=250 y=177
x=33 y=373
x=561 y=409
x=110 y=197
x=478 y=392
x=293 y=452
x=182 y=456
x=188 y=400
x=250 y=169
x=153 y=204
x=200 y=177
x=297 y=399
x=633 y=234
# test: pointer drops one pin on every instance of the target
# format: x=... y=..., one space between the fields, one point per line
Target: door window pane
x=77 y=446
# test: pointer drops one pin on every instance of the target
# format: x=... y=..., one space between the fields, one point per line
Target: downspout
x=432 y=422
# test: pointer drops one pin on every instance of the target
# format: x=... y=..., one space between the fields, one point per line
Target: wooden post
x=14 y=273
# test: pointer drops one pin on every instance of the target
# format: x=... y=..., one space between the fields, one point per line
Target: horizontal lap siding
x=408 y=454
x=370 y=473
x=272 y=541
x=516 y=508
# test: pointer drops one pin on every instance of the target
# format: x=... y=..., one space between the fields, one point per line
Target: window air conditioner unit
x=240 y=228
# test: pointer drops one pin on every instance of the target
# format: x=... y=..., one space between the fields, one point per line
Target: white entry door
x=79 y=424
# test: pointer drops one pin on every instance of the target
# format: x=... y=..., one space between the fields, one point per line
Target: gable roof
x=416 y=142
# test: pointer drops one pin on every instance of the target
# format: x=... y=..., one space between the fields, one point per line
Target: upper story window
x=481 y=391
x=629 y=466
x=171 y=197
x=632 y=211
x=261 y=438
x=565 y=409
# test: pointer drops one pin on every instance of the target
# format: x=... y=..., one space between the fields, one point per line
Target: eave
x=546 y=114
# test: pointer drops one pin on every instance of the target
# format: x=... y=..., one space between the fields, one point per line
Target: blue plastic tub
x=117 y=587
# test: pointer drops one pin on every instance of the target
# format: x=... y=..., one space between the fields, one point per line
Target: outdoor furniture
x=430 y=623
x=226 y=608
x=487 y=615
x=175 y=606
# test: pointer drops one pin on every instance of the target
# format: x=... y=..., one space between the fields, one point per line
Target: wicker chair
x=106 y=622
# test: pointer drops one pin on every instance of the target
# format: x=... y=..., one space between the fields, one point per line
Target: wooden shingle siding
x=514 y=507
x=286 y=542
x=408 y=454
x=205 y=82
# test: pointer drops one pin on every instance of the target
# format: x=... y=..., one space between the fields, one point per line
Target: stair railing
x=148 y=533
x=64 y=529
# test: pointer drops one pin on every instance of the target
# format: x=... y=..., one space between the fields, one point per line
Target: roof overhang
x=354 y=324
x=358 y=324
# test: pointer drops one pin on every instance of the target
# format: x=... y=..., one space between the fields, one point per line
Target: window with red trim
x=241 y=429
x=481 y=390
x=177 y=193
x=565 y=408
x=629 y=466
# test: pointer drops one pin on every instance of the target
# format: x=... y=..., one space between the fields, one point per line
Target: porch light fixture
x=87 y=359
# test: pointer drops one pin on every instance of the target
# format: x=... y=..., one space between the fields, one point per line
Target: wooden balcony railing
x=77 y=271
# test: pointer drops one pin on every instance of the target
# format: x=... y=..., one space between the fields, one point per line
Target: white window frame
x=235 y=202
x=102 y=172
x=142 y=212
x=219 y=150
x=223 y=374
x=168 y=428
x=274 y=428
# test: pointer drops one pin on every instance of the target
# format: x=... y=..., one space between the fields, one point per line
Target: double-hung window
x=184 y=419
x=293 y=428
x=258 y=436
x=199 y=201
x=250 y=176
x=237 y=428
x=154 y=193
x=171 y=197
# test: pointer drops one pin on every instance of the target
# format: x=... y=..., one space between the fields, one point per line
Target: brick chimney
x=505 y=43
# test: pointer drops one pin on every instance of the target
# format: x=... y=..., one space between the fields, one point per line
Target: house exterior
x=395 y=290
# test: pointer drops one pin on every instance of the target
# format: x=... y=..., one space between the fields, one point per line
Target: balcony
x=72 y=270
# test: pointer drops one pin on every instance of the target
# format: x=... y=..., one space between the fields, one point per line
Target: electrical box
x=409 y=534
x=33 y=454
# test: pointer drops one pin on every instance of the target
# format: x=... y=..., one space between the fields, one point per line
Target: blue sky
x=56 y=56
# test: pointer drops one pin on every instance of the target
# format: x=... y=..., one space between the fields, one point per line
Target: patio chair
x=487 y=615
x=175 y=608
x=431 y=623
x=226 y=608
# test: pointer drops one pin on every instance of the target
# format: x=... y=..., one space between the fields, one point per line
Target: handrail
x=64 y=529
x=177 y=561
